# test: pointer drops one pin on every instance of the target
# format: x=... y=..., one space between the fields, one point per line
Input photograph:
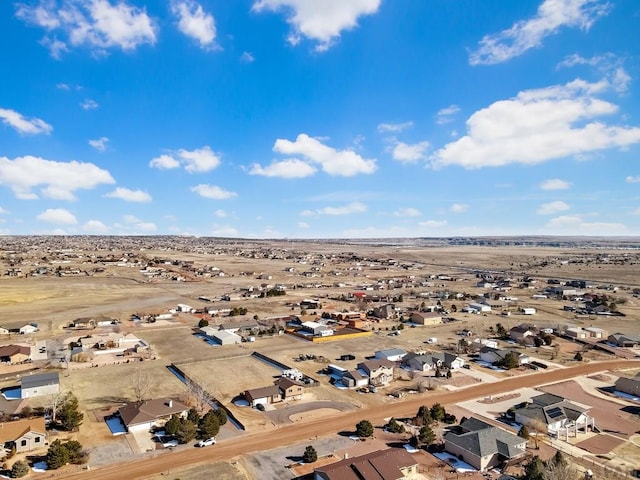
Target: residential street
x=344 y=421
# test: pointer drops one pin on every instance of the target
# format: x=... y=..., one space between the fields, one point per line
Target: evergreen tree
x=364 y=429
x=186 y=431
x=423 y=417
x=69 y=414
x=534 y=470
x=193 y=416
x=222 y=416
x=209 y=425
x=426 y=436
x=394 y=427
x=310 y=455
x=172 y=425
x=19 y=469
x=437 y=412
x=57 y=455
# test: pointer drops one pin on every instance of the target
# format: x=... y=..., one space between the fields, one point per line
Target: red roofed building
x=389 y=464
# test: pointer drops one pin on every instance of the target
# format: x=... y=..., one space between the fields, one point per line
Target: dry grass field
x=321 y=271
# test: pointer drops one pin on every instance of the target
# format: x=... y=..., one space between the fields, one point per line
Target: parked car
x=206 y=442
x=170 y=443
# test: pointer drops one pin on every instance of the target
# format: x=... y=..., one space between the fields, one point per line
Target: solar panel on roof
x=555 y=412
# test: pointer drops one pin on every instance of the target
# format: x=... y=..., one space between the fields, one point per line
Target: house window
x=23 y=443
x=37 y=440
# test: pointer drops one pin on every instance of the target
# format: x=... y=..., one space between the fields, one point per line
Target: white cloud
x=194 y=22
x=3 y=211
x=224 y=231
x=97 y=24
x=355 y=207
x=129 y=195
x=433 y=223
x=322 y=21
x=445 y=115
x=95 y=226
x=164 y=162
x=89 y=104
x=409 y=153
x=99 y=144
x=213 y=191
x=608 y=64
x=194 y=161
x=552 y=208
x=59 y=180
x=537 y=126
x=636 y=211
x=555 y=184
x=303 y=225
x=575 y=225
x=247 y=57
x=31 y=126
x=344 y=163
x=631 y=179
x=135 y=225
x=394 y=127
x=407 y=212
x=289 y=168
x=459 y=208
x=527 y=34
x=220 y=213
x=58 y=216
x=130 y=219
x=146 y=227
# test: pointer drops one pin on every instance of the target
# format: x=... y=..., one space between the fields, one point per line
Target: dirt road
x=261 y=441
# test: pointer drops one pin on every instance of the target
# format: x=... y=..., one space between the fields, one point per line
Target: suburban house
x=353 y=378
x=380 y=372
x=142 y=416
x=28 y=328
x=598 y=333
x=426 y=318
x=316 y=329
x=577 y=332
x=629 y=385
x=520 y=333
x=493 y=355
x=83 y=324
x=482 y=445
x=290 y=389
x=432 y=360
x=386 y=311
x=25 y=435
x=40 y=384
x=559 y=415
x=263 y=395
x=391 y=354
x=389 y=464
x=4 y=331
x=13 y=354
x=623 y=340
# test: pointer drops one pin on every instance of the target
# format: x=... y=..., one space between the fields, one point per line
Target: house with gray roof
x=432 y=360
x=560 y=416
x=39 y=384
x=391 y=354
x=493 y=355
x=629 y=385
x=482 y=445
x=379 y=371
x=623 y=340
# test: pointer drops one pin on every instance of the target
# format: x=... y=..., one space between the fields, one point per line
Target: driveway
x=282 y=415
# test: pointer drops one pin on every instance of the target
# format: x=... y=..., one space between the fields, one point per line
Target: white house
x=479 y=307
x=28 y=328
x=40 y=384
x=391 y=354
x=528 y=311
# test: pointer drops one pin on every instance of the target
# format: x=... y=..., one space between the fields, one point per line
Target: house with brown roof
x=290 y=389
x=25 y=435
x=13 y=354
x=388 y=464
x=140 y=416
x=262 y=395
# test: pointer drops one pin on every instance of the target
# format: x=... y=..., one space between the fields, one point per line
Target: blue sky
x=320 y=118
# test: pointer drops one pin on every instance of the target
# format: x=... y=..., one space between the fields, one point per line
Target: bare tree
x=197 y=395
x=140 y=384
x=560 y=471
x=51 y=403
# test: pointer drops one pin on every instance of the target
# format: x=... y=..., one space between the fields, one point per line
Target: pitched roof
x=40 y=379
x=376 y=364
x=486 y=440
x=262 y=392
x=11 y=350
x=11 y=431
x=378 y=465
x=149 y=410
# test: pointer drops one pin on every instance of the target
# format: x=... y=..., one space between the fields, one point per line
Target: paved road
x=261 y=441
